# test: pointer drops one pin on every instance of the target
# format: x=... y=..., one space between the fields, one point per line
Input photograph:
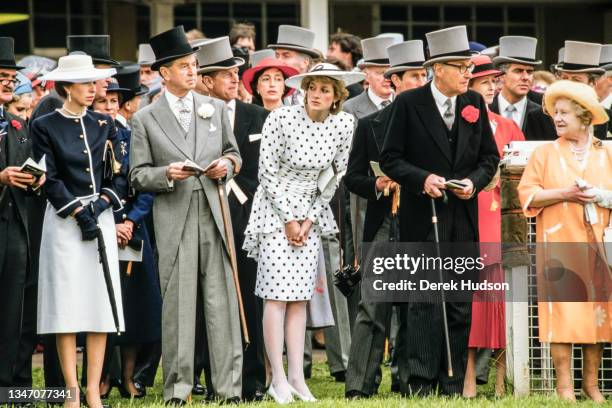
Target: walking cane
x=434 y=221
x=229 y=238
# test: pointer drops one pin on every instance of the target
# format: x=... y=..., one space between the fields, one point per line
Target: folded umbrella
x=107 y=279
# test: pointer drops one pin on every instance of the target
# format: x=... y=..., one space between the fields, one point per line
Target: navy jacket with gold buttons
x=75 y=149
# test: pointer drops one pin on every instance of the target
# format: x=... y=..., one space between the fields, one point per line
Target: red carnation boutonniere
x=470 y=114
x=16 y=124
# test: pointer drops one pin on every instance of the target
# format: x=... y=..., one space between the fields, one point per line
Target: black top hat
x=170 y=45
x=7 y=53
x=96 y=46
x=126 y=94
x=128 y=77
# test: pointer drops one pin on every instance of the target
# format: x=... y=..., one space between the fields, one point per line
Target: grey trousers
x=202 y=265
x=337 y=337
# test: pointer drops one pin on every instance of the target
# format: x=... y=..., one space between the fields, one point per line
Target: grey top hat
x=216 y=54
x=404 y=56
x=146 y=56
x=581 y=57
x=375 y=51
x=448 y=44
x=258 y=55
x=517 y=49
x=397 y=37
x=605 y=59
x=295 y=38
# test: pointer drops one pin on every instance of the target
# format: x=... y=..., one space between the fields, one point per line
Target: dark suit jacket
x=249 y=121
x=360 y=179
x=416 y=145
x=18 y=147
x=531 y=106
x=540 y=126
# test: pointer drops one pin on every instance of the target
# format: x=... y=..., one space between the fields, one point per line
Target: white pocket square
x=254 y=137
x=212 y=127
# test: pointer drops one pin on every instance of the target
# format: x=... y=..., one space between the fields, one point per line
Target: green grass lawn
x=331 y=395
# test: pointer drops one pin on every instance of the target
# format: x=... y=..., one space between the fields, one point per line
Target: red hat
x=249 y=74
x=483 y=66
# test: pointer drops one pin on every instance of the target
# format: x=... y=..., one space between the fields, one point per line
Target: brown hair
x=194 y=34
x=348 y=43
x=60 y=88
x=241 y=30
x=340 y=91
x=545 y=76
x=583 y=114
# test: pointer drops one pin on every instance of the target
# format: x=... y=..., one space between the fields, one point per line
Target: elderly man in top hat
x=517 y=60
x=603 y=86
x=435 y=133
x=219 y=72
x=294 y=47
x=374 y=319
x=17 y=277
x=580 y=64
x=189 y=226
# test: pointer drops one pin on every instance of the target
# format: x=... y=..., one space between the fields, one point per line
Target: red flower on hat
x=16 y=124
x=470 y=114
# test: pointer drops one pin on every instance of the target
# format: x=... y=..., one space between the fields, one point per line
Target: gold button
x=90 y=186
x=124 y=216
x=80 y=136
x=122 y=201
x=87 y=169
x=84 y=151
x=76 y=121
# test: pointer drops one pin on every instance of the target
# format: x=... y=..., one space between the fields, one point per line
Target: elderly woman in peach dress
x=550 y=192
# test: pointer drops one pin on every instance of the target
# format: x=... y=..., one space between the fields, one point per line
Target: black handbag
x=346 y=277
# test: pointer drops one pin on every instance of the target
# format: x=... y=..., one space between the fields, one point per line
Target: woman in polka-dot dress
x=290 y=215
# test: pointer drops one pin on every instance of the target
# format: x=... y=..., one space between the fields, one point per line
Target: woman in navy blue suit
x=80 y=190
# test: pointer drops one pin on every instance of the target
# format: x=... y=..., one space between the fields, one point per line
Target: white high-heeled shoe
x=272 y=393
x=301 y=396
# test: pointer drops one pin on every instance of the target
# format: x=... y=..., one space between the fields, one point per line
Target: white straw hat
x=327 y=70
x=77 y=68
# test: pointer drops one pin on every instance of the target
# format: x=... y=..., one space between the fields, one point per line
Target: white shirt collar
x=119 y=118
x=520 y=106
x=231 y=105
x=377 y=100
x=231 y=111
x=440 y=99
x=172 y=99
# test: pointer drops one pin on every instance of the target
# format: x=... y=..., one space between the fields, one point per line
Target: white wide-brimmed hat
x=404 y=56
x=581 y=57
x=216 y=55
x=517 y=49
x=77 y=68
x=375 y=51
x=448 y=44
x=327 y=70
x=296 y=38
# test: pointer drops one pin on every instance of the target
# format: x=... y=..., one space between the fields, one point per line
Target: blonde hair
x=583 y=114
x=340 y=91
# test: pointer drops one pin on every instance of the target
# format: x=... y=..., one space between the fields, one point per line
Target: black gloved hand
x=97 y=207
x=87 y=224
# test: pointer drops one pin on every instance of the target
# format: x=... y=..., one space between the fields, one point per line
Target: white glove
x=603 y=198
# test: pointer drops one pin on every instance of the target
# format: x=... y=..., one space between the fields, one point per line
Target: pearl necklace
x=580 y=152
x=74 y=114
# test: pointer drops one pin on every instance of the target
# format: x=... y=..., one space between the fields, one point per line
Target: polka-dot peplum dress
x=294 y=151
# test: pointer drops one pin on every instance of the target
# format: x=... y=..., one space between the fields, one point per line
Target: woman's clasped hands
x=297 y=232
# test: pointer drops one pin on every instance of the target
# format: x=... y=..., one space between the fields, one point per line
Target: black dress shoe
x=257 y=396
x=230 y=401
x=175 y=402
x=210 y=396
x=198 y=389
x=356 y=394
x=395 y=387
x=340 y=376
x=125 y=393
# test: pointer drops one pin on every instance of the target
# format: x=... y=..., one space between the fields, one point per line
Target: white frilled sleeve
x=270 y=153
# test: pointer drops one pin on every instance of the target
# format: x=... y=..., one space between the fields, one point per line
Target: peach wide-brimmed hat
x=580 y=93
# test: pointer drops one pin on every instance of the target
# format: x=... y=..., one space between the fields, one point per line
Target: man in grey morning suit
x=193 y=260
